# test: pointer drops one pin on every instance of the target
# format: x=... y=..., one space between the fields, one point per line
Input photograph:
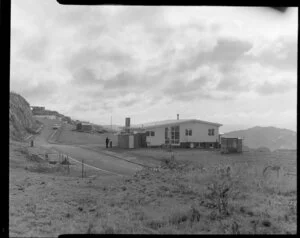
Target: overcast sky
x=235 y=66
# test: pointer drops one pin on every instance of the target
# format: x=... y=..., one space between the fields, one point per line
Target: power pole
x=111 y=122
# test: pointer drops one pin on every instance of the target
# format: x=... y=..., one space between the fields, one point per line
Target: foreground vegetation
x=195 y=192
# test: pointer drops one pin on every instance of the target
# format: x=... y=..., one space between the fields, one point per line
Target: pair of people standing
x=107 y=141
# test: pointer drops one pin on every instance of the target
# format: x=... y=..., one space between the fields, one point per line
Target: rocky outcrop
x=21 y=122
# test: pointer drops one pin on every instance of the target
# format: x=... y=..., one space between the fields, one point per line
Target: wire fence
x=74 y=167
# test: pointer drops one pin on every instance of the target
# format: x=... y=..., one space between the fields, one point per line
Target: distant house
x=52 y=117
x=182 y=133
x=84 y=126
x=35 y=108
x=67 y=119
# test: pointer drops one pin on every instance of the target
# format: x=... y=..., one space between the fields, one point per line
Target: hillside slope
x=21 y=122
x=271 y=137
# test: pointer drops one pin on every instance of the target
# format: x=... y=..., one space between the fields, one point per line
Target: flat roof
x=172 y=122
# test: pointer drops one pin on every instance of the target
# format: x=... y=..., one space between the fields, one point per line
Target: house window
x=150 y=133
x=188 y=132
x=211 y=132
x=175 y=135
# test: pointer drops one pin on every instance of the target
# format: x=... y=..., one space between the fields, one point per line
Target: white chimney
x=177 y=116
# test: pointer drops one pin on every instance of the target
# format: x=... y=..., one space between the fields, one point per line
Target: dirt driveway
x=93 y=158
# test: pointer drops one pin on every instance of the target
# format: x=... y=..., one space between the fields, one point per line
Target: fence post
x=68 y=164
x=82 y=169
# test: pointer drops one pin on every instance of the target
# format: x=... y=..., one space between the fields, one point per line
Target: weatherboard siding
x=199 y=133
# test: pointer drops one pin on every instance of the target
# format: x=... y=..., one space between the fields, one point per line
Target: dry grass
x=69 y=136
x=196 y=195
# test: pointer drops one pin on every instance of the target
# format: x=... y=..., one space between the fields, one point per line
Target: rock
x=80 y=209
x=266 y=223
x=43 y=182
x=92 y=209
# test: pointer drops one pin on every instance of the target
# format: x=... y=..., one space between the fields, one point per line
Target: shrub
x=191 y=216
x=221 y=190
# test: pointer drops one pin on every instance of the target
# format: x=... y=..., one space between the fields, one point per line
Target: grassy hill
x=270 y=137
x=21 y=122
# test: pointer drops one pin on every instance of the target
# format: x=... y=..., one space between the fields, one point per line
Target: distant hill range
x=270 y=137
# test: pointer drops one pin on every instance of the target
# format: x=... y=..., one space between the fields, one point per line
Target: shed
x=231 y=145
x=130 y=141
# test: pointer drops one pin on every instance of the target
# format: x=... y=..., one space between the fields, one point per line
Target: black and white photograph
x=139 y=119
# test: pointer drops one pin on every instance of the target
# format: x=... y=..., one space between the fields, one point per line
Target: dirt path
x=90 y=157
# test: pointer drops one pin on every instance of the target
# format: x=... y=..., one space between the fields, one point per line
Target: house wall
x=159 y=137
x=199 y=133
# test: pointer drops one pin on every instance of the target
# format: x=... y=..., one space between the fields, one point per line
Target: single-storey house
x=183 y=133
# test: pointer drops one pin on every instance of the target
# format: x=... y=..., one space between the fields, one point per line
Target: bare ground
x=187 y=196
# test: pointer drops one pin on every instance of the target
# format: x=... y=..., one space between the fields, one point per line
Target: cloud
x=268 y=88
x=43 y=90
x=35 y=49
x=128 y=103
x=226 y=52
x=86 y=77
x=280 y=53
x=101 y=59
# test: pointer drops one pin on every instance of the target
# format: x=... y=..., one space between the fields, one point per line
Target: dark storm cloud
x=35 y=49
x=273 y=88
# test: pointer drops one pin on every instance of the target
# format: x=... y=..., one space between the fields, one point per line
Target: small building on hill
x=84 y=126
x=35 y=108
x=52 y=117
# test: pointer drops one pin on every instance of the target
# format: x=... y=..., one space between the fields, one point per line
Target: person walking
x=107 y=141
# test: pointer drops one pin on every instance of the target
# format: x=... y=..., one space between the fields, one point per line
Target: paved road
x=93 y=158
